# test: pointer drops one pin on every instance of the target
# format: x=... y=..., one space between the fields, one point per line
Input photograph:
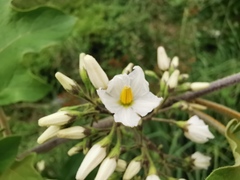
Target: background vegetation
x=205 y=35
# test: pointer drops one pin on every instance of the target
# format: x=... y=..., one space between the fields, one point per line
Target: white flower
x=132 y=169
x=67 y=83
x=197 y=131
x=200 y=161
x=93 y=158
x=75 y=132
x=162 y=59
x=106 y=169
x=152 y=177
x=95 y=73
x=59 y=118
x=195 y=86
x=128 y=97
x=49 y=133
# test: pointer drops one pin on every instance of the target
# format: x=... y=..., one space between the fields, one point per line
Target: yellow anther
x=126 y=96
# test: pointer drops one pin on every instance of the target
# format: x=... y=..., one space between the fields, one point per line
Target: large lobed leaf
x=23 y=32
x=230 y=172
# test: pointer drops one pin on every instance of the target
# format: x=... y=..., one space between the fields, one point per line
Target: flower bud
x=121 y=165
x=49 y=133
x=197 y=131
x=151 y=74
x=106 y=168
x=128 y=68
x=162 y=59
x=95 y=73
x=152 y=177
x=200 y=161
x=67 y=83
x=83 y=72
x=175 y=62
x=59 y=118
x=173 y=79
x=93 y=158
x=74 y=150
x=132 y=169
x=76 y=132
x=195 y=86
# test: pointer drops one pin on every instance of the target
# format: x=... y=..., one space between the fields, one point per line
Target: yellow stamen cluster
x=126 y=96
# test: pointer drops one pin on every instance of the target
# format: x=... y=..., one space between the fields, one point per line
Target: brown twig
x=214 y=86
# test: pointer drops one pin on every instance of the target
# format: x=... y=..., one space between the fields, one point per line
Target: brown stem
x=4 y=124
x=218 y=107
x=214 y=86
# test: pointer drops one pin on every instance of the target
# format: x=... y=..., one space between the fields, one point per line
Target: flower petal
x=127 y=117
x=139 y=84
x=116 y=85
x=146 y=103
x=111 y=103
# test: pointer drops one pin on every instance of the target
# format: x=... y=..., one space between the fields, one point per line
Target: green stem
x=164 y=120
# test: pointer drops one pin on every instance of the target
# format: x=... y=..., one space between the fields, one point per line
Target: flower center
x=126 y=96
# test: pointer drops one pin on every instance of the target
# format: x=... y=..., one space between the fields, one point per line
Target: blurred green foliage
x=204 y=34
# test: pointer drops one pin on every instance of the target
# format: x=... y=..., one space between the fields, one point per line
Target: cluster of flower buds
x=172 y=79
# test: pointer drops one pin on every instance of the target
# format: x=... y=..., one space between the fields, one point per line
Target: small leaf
x=8 y=151
x=233 y=136
x=22 y=170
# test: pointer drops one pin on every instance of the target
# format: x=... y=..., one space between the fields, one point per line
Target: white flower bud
x=197 y=131
x=175 y=62
x=67 y=83
x=162 y=59
x=165 y=77
x=95 y=73
x=173 y=79
x=152 y=177
x=74 y=150
x=59 y=118
x=49 y=133
x=200 y=161
x=121 y=165
x=93 y=158
x=132 y=169
x=195 y=86
x=75 y=132
x=106 y=168
x=128 y=68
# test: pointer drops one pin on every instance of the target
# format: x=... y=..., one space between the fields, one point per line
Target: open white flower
x=128 y=97
x=197 y=131
x=200 y=161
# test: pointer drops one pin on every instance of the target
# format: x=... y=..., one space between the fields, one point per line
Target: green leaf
x=8 y=151
x=21 y=33
x=22 y=170
x=233 y=136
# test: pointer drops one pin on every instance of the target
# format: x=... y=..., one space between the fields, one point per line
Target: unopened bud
x=95 y=73
x=175 y=62
x=76 y=149
x=128 y=68
x=173 y=79
x=49 y=133
x=59 y=118
x=132 y=169
x=151 y=74
x=121 y=165
x=162 y=59
x=195 y=86
x=76 y=132
x=67 y=83
x=106 y=168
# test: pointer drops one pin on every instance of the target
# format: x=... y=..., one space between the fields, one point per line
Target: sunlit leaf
x=230 y=172
x=24 y=32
